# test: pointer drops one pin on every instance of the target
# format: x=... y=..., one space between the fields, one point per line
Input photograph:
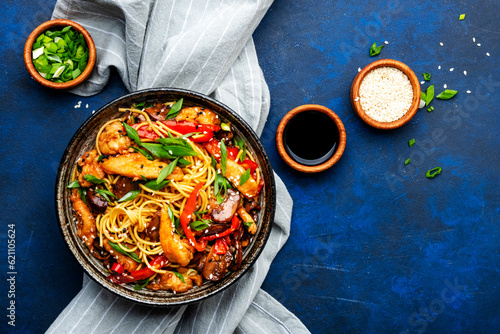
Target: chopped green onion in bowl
x=60 y=55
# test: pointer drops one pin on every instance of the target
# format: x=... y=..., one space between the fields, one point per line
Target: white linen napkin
x=205 y=46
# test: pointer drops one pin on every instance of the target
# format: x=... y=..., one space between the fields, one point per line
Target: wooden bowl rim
x=59 y=85
x=356 y=105
x=332 y=160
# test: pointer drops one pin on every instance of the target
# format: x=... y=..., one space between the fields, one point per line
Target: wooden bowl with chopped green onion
x=60 y=54
x=385 y=94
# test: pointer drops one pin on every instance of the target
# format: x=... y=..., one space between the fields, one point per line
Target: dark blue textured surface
x=375 y=246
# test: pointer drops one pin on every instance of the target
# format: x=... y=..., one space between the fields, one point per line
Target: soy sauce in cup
x=310 y=137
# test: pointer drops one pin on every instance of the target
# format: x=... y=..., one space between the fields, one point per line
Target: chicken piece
x=86 y=221
x=169 y=281
x=89 y=165
x=247 y=218
x=135 y=165
x=126 y=261
x=198 y=115
x=114 y=140
x=250 y=188
x=176 y=250
x=197 y=278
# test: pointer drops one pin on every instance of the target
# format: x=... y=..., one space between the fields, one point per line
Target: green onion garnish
x=433 y=172
x=60 y=55
x=117 y=248
x=73 y=184
x=447 y=94
x=461 y=17
x=411 y=142
x=407 y=161
x=427 y=76
x=129 y=196
x=375 y=50
x=429 y=95
x=92 y=179
x=244 y=177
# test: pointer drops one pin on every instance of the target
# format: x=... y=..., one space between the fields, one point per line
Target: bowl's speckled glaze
x=84 y=140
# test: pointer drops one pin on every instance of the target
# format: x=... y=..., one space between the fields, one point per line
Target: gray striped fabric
x=205 y=46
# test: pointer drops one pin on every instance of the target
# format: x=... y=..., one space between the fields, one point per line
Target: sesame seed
x=359 y=69
x=478 y=44
x=465 y=72
x=441 y=44
x=468 y=92
x=445 y=86
x=451 y=69
x=488 y=54
x=386 y=42
x=422 y=82
x=474 y=39
x=439 y=67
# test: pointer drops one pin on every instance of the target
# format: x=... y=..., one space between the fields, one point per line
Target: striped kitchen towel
x=205 y=46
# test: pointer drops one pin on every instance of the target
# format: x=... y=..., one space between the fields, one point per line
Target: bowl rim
x=29 y=62
x=258 y=241
x=356 y=104
x=325 y=165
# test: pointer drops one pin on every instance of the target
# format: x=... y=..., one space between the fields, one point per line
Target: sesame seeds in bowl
x=385 y=94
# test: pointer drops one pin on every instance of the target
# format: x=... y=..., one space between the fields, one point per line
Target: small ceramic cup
x=52 y=24
x=356 y=104
x=337 y=152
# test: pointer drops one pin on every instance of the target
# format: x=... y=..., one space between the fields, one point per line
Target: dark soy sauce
x=310 y=138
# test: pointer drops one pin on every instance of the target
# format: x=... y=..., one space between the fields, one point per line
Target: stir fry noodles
x=167 y=198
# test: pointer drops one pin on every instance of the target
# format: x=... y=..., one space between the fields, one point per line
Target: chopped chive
x=433 y=172
x=411 y=142
x=431 y=108
x=447 y=94
x=375 y=50
x=427 y=76
x=407 y=161
x=461 y=17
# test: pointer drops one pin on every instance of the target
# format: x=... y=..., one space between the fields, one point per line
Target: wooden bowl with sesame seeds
x=383 y=97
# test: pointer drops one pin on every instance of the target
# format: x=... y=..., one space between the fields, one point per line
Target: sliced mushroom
x=216 y=265
x=96 y=203
x=158 y=112
x=123 y=186
x=212 y=229
x=153 y=229
x=223 y=212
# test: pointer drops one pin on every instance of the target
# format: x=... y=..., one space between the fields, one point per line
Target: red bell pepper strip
x=143 y=132
x=186 y=215
x=185 y=127
x=220 y=246
x=157 y=263
x=249 y=164
x=235 y=223
x=213 y=147
x=117 y=268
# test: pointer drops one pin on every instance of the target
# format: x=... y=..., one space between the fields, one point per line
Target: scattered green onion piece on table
x=429 y=95
x=430 y=109
x=407 y=161
x=433 y=172
x=461 y=17
x=422 y=96
x=447 y=94
x=375 y=50
x=427 y=76
x=411 y=142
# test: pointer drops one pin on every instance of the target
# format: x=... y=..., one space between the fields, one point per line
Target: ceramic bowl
x=328 y=163
x=84 y=140
x=53 y=24
x=356 y=105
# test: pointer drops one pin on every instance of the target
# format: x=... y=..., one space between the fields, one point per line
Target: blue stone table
x=376 y=247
